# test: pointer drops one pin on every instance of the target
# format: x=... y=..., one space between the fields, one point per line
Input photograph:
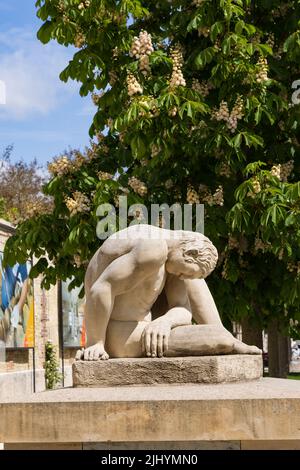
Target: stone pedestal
x=265 y=410
x=185 y=370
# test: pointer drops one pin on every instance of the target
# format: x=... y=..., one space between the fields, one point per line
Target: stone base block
x=144 y=371
x=262 y=410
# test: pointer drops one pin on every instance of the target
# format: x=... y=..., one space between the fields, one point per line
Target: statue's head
x=194 y=257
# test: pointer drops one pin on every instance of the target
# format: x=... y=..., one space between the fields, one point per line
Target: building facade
x=23 y=336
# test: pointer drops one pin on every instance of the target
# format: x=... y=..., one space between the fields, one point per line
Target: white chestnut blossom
x=141 y=49
x=78 y=203
x=231 y=119
x=61 y=166
x=84 y=5
x=177 y=78
x=224 y=170
x=138 y=186
x=133 y=85
x=201 y=87
x=104 y=176
x=283 y=170
x=192 y=196
x=262 y=74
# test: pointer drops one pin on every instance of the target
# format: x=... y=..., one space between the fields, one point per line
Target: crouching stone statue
x=143 y=288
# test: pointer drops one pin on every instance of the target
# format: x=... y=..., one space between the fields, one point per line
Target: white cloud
x=2 y=92
x=30 y=71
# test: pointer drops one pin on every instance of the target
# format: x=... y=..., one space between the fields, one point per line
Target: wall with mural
x=16 y=306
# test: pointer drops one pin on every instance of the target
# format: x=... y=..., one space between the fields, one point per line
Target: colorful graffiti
x=16 y=306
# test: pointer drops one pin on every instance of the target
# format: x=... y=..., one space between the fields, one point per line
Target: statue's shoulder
x=114 y=247
x=143 y=241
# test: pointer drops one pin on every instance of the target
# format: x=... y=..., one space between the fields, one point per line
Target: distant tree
x=21 y=185
x=2 y=208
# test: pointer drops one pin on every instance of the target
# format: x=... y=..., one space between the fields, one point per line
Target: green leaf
x=291 y=42
x=264 y=49
x=253 y=167
x=293 y=191
x=38 y=268
x=239 y=26
x=237 y=140
x=291 y=219
x=138 y=146
x=205 y=57
x=275 y=213
x=252 y=140
x=44 y=34
x=242 y=191
x=216 y=29
x=194 y=23
x=258 y=115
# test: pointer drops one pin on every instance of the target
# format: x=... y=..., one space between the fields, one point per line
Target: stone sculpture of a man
x=124 y=280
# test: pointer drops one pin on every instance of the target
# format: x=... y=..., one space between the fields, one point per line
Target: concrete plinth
x=184 y=370
x=266 y=410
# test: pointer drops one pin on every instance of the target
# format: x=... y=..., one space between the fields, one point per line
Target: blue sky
x=42 y=116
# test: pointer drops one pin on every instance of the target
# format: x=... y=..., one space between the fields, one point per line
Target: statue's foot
x=242 y=348
x=92 y=353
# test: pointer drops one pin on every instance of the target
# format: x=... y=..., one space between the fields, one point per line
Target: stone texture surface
x=16 y=385
x=205 y=369
x=190 y=445
x=270 y=445
x=44 y=446
x=174 y=445
x=266 y=409
x=199 y=445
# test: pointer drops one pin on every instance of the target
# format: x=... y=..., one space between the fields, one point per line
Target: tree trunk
x=278 y=351
x=252 y=334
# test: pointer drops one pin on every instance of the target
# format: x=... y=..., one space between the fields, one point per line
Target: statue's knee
x=98 y=291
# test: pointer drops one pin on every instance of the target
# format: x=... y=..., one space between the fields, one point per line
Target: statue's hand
x=155 y=338
x=92 y=353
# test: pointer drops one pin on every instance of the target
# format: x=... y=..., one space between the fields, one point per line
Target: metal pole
x=60 y=331
x=34 y=332
x=34 y=374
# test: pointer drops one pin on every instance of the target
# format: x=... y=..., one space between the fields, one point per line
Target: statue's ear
x=192 y=252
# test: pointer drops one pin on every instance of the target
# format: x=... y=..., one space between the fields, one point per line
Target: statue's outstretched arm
x=177 y=313
x=202 y=304
x=179 y=310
